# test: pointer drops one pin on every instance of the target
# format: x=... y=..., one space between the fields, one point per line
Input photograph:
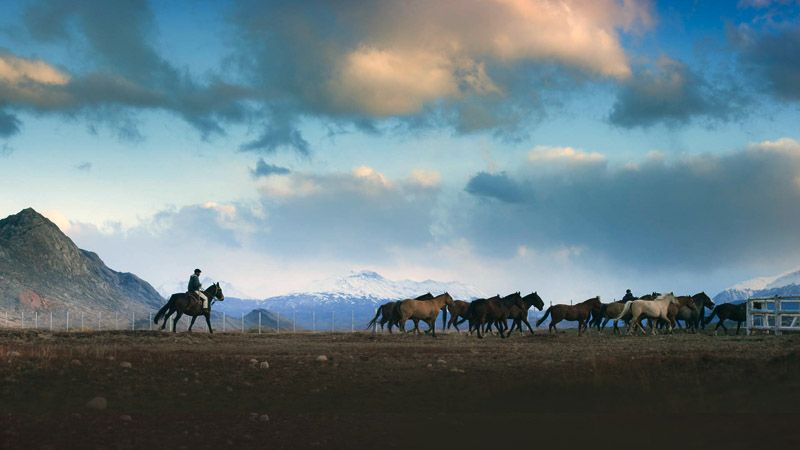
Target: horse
x=493 y=311
x=579 y=312
x=186 y=303
x=425 y=310
x=520 y=315
x=695 y=316
x=657 y=308
x=458 y=311
x=728 y=311
x=685 y=304
x=610 y=311
x=388 y=313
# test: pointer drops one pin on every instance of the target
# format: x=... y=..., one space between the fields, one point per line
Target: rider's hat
x=197 y=270
x=628 y=291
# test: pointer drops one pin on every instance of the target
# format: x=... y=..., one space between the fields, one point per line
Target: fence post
x=375 y=324
x=82 y=321
x=259 y=322
x=99 y=314
x=294 y=330
x=22 y=323
x=67 y=321
x=116 y=320
x=777 y=316
x=278 y=323
x=313 y=321
x=133 y=320
x=333 y=321
x=242 y=322
x=36 y=319
x=352 y=321
x=150 y=320
x=51 y=320
x=223 y=321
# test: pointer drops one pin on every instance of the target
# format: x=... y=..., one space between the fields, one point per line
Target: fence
x=775 y=314
x=254 y=322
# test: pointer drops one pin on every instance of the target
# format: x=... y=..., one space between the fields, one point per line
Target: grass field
x=389 y=391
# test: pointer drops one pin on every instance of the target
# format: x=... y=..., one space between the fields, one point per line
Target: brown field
x=201 y=391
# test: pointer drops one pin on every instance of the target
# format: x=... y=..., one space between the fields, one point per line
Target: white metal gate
x=776 y=314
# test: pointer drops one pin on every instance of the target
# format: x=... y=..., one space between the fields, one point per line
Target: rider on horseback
x=195 y=288
x=628 y=296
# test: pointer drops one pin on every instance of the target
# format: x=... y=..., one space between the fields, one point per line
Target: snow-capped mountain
x=228 y=289
x=349 y=301
x=782 y=285
x=371 y=284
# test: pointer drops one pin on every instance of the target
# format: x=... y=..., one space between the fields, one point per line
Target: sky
x=570 y=147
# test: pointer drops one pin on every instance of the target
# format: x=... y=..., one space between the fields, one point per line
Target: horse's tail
x=546 y=313
x=710 y=317
x=374 y=319
x=164 y=309
x=625 y=310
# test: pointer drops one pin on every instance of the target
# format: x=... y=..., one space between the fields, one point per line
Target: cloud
x=121 y=71
x=770 y=56
x=694 y=213
x=9 y=124
x=673 y=94
x=263 y=169
x=497 y=186
x=474 y=67
x=568 y=155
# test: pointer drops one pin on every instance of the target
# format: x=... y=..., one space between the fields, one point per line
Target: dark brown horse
x=520 y=315
x=189 y=304
x=728 y=311
x=694 y=318
x=579 y=313
x=492 y=311
x=458 y=314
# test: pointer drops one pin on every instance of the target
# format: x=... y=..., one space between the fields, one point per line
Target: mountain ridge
x=42 y=268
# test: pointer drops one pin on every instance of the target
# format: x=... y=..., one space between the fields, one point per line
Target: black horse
x=189 y=304
x=728 y=311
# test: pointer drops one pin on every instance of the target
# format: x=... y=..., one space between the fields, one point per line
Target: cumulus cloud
x=568 y=155
x=700 y=212
x=671 y=93
x=471 y=66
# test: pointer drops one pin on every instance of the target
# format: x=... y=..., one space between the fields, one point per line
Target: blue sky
x=574 y=148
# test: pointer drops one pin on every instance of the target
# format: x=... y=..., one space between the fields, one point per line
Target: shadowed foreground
x=397 y=391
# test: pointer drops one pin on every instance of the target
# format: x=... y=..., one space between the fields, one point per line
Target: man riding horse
x=195 y=288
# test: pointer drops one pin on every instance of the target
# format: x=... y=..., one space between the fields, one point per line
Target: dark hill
x=42 y=269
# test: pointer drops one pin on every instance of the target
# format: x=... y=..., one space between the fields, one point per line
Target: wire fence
x=294 y=321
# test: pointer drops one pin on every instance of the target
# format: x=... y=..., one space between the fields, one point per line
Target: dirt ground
x=391 y=391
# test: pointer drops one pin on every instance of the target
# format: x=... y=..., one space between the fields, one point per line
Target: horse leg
x=175 y=321
x=191 y=324
x=208 y=321
x=166 y=317
x=528 y=324
x=738 y=327
x=432 y=324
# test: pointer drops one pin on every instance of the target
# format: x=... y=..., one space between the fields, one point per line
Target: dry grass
x=393 y=391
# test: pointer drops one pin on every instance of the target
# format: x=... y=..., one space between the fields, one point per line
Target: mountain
x=344 y=303
x=786 y=284
x=41 y=269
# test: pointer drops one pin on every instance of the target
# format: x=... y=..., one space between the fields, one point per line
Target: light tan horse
x=652 y=309
x=424 y=310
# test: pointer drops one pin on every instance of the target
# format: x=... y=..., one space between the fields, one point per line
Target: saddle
x=199 y=297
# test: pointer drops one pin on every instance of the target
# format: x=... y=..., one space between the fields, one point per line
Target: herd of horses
x=485 y=314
